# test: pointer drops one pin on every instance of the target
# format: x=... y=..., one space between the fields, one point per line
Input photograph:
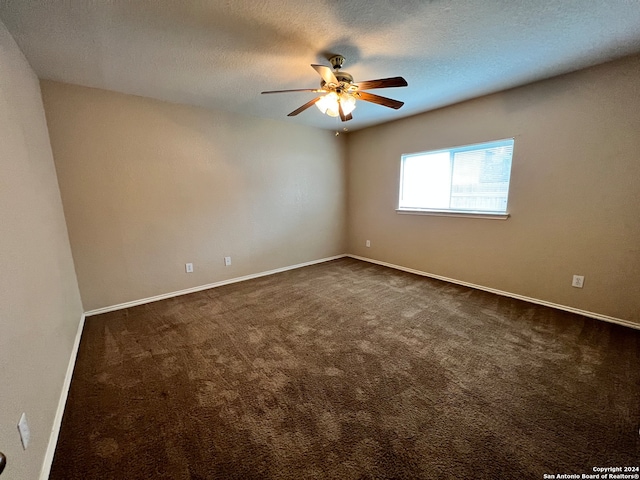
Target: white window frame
x=453 y=212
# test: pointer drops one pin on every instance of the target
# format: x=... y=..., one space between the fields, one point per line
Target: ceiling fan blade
x=295 y=90
x=343 y=117
x=382 y=83
x=303 y=107
x=387 y=102
x=326 y=73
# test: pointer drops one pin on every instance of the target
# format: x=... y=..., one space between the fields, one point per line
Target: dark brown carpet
x=348 y=370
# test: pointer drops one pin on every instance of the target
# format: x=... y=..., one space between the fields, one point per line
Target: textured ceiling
x=222 y=54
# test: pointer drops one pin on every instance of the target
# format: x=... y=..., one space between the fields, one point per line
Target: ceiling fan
x=339 y=92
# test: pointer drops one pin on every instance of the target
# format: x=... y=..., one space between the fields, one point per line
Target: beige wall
x=148 y=186
x=39 y=301
x=574 y=197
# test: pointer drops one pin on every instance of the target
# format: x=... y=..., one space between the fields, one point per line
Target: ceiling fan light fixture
x=348 y=103
x=332 y=113
x=329 y=104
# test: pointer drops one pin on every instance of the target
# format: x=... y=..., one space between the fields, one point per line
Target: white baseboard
x=164 y=296
x=578 y=311
x=57 y=420
x=586 y=313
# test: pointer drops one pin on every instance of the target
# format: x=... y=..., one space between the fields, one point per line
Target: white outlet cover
x=227 y=261
x=188 y=267
x=578 y=281
x=23 y=428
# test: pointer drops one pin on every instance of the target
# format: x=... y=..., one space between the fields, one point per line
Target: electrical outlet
x=23 y=428
x=368 y=243
x=188 y=267
x=578 y=281
x=227 y=261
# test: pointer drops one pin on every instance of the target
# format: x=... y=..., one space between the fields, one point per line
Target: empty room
x=319 y=240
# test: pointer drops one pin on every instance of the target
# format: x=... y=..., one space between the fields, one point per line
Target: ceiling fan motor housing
x=344 y=80
x=344 y=77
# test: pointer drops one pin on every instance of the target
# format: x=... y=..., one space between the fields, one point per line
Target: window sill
x=453 y=213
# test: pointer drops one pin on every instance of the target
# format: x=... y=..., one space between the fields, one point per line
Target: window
x=463 y=180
